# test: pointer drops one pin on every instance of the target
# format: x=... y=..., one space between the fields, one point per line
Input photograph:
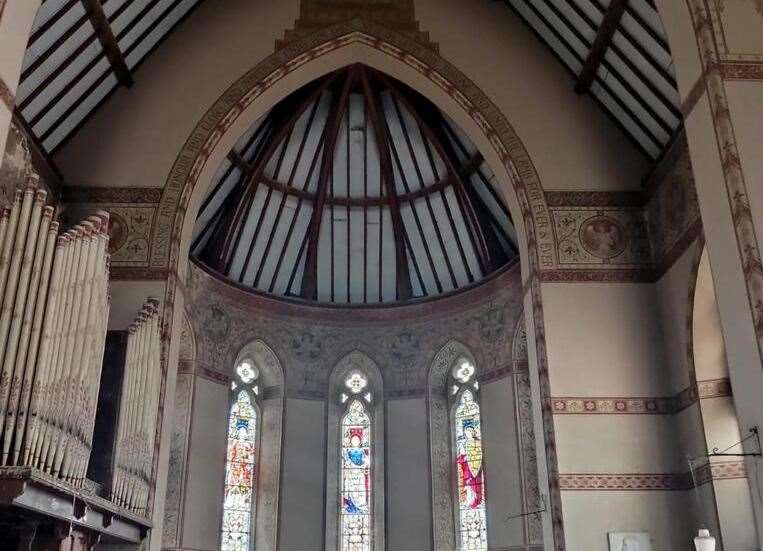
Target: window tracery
x=356 y=487
x=466 y=434
x=241 y=459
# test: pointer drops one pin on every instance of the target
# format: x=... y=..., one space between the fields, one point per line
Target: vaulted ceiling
x=617 y=51
x=354 y=189
x=81 y=50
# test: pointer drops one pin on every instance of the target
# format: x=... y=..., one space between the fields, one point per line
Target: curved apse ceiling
x=354 y=189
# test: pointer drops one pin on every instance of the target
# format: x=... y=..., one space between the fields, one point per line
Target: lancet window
x=356 y=462
x=241 y=459
x=466 y=435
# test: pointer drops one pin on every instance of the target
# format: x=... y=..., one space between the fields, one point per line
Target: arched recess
x=359 y=362
x=727 y=502
x=443 y=519
x=268 y=476
x=421 y=68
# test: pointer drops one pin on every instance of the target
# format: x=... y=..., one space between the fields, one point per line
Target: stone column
x=718 y=53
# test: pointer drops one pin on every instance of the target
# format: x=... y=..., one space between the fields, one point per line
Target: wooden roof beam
x=374 y=110
x=108 y=41
x=601 y=43
x=333 y=125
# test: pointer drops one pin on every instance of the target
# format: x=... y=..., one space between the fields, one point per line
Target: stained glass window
x=355 y=499
x=470 y=476
x=240 y=468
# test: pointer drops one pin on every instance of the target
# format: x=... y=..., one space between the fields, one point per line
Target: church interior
x=381 y=275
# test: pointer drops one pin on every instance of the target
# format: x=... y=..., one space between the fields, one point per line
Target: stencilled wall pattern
x=310 y=340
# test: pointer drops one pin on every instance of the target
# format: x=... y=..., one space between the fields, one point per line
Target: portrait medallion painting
x=603 y=236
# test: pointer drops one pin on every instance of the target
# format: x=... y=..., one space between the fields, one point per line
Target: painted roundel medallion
x=117 y=232
x=603 y=236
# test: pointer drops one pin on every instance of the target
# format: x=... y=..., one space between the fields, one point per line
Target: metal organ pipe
x=138 y=411
x=53 y=318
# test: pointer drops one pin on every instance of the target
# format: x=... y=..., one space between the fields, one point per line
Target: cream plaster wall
x=206 y=467
x=303 y=475
x=673 y=290
x=502 y=464
x=16 y=20
x=408 y=506
x=604 y=339
x=618 y=444
x=590 y=516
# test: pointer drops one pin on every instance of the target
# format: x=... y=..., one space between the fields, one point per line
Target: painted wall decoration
x=487 y=318
x=132 y=213
x=483 y=318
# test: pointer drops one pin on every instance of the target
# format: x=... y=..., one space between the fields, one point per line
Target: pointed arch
x=423 y=69
x=355 y=362
x=443 y=505
x=258 y=389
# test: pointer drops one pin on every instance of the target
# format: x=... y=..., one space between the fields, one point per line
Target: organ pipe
x=138 y=411
x=54 y=308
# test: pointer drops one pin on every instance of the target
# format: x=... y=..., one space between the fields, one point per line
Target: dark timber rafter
x=373 y=106
x=425 y=116
x=333 y=124
x=108 y=41
x=601 y=43
x=354 y=189
x=227 y=233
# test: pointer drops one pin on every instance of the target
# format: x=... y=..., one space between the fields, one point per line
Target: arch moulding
x=420 y=67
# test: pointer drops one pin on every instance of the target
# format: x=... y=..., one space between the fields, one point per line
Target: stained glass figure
x=355 y=466
x=240 y=466
x=471 y=480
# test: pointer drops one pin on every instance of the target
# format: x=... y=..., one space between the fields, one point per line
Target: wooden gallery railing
x=138 y=412
x=55 y=305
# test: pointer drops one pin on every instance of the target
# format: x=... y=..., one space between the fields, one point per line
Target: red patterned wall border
x=138 y=273
x=730 y=470
x=611 y=275
x=711 y=388
x=82 y=194
x=645 y=481
x=740 y=70
x=633 y=199
x=655 y=406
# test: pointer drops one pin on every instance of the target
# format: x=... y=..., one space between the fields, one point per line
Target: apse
x=354 y=189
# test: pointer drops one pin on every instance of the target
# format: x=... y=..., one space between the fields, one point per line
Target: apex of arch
x=357 y=15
